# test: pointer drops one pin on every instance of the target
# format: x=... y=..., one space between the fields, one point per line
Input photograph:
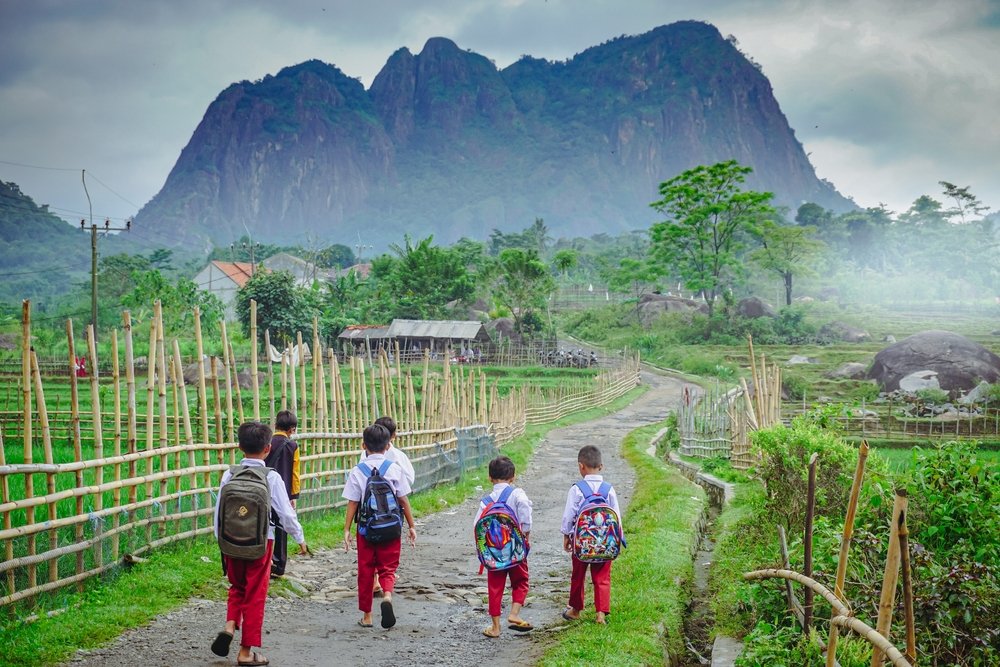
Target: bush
x=795 y=386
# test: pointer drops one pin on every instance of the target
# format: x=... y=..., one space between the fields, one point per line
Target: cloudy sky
x=889 y=96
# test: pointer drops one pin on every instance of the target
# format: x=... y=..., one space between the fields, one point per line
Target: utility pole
x=93 y=262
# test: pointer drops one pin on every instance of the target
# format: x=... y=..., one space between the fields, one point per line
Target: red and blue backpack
x=597 y=536
x=500 y=542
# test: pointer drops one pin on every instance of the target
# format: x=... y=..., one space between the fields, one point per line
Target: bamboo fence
x=77 y=502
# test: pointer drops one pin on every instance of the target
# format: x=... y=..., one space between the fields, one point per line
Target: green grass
x=170 y=576
x=650 y=581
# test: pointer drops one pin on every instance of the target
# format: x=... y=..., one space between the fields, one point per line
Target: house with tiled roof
x=223 y=279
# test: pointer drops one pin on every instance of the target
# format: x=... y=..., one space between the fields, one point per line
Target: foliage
x=708 y=217
x=282 y=306
x=634 y=277
x=420 y=280
x=786 y=251
x=178 y=301
x=521 y=282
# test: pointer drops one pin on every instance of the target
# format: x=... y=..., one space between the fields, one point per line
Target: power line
x=137 y=207
x=35 y=166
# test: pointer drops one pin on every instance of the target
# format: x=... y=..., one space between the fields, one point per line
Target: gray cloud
x=889 y=97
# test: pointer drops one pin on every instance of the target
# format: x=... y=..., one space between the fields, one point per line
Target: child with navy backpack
x=502 y=529
x=376 y=491
x=591 y=528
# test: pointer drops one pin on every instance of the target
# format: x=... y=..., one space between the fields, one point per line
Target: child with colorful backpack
x=376 y=491
x=248 y=494
x=591 y=528
x=502 y=529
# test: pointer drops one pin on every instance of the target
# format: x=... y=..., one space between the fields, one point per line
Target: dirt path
x=439 y=598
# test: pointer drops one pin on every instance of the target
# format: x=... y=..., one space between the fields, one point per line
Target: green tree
x=282 y=306
x=787 y=251
x=521 y=283
x=334 y=256
x=965 y=201
x=178 y=300
x=708 y=216
x=564 y=260
x=422 y=279
x=635 y=277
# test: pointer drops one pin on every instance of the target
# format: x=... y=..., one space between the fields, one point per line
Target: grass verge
x=171 y=576
x=650 y=581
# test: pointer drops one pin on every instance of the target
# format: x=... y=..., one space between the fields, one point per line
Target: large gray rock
x=752 y=307
x=960 y=363
x=918 y=380
x=976 y=395
x=652 y=306
x=843 y=332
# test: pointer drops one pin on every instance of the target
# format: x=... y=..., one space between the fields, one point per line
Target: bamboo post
x=150 y=389
x=130 y=408
x=365 y=416
x=236 y=386
x=270 y=381
x=202 y=394
x=793 y=604
x=317 y=358
x=807 y=607
x=29 y=482
x=332 y=410
x=303 y=399
x=227 y=364
x=845 y=546
x=294 y=385
x=117 y=441
x=95 y=402
x=186 y=420
x=50 y=478
x=904 y=561
x=887 y=600
x=161 y=388
x=74 y=402
x=217 y=404
x=254 y=383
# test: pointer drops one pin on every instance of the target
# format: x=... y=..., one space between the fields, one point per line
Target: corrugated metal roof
x=363 y=331
x=440 y=329
x=238 y=272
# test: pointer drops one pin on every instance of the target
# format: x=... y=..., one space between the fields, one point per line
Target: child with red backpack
x=591 y=528
x=376 y=491
x=248 y=495
x=502 y=529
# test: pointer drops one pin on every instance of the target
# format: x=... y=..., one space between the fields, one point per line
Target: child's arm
x=296 y=484
x=352 y=509
x=404 y=503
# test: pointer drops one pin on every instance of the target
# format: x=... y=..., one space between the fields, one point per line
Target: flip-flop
x=364 y=625
x=377 y=593
x=221 y=644
x=256 y=660
x=388 y=618
x=566 y=615
x=520 y=626
x=487 y=633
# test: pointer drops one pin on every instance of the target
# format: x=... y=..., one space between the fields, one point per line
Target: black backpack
x=379 y=517
x=245 y=512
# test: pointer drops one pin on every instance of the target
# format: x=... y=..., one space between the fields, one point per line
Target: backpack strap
x=365 y=469
x=584 y=489
x=604 y=491
x=505 y=494
x=382 y=469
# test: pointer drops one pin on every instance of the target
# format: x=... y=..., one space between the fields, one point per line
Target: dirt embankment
x=440 y=597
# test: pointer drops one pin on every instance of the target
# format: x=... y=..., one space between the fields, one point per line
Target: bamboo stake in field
x=130 y=410
x=74 y=402
x=807 y=607
x=793 y=603
x=202 y=393
x=161 y=388
x=887 y=600
x=237 y=388
x=254 y=343
x=270 y=381
x=5 y=498
x=150 y=390
x=117 y=441
x=50 y=478
x=228 y=365
x=95 y=402
x=29 y=483
x=904 y=562
x=845 y=546
x=178 y=379
x=303 y=398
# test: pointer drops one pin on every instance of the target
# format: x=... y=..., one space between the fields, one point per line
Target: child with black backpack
x=591 y=528
x=376 y=491
x=249 y=493
x=502 y=530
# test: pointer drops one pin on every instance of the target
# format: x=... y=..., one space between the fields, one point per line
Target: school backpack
x=500 y=542
x=245 y=512
x=597 y=537
x=379 y=517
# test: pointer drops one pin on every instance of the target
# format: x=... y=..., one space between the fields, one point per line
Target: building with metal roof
x=437 y=334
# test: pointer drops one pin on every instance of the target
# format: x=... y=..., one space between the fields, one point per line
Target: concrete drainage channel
x=723 y=651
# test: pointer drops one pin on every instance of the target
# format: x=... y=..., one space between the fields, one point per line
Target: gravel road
x=440 y=597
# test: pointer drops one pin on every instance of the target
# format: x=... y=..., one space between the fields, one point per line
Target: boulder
x=889 y=338
x=651 y=306
x=8 y=341
x=191 y=370
x=843 y=332
x=851 y=370
x=799 y=359
x=960 y=364
x=752 y=307
x=918 y=380
x=245 y=380
x=976 y=395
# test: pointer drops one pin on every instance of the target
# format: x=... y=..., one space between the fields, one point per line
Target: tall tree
x=787 y=251
x=634 y=276
x=522 y=283
x=708 y=217
x=965 y=201
x=282 y=306
x=564 y=260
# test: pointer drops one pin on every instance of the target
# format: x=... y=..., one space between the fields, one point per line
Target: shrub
x=795 y=386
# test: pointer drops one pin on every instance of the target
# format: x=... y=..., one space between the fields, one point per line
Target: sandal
x=520 y=626
x=388 y=617
x=487 y=633
x=256 y=660
x=221 y=644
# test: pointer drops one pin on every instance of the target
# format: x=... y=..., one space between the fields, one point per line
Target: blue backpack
x=597 y=536
x=380 y=519
x=500 y=542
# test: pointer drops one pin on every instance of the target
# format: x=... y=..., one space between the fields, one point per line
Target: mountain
x=445 y=143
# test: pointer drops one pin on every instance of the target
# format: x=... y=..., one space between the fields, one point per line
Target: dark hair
x=254 y=437
x=376 y=438
x=502 y=468
x=590 y=456
x=389 y=423
x=285 y=421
